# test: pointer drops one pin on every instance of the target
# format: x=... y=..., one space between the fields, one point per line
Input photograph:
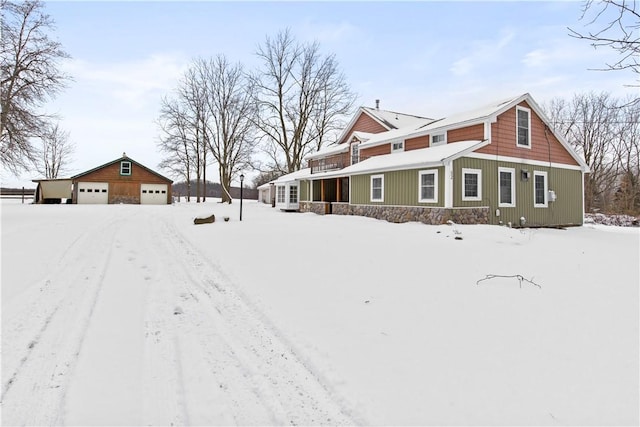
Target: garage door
x=93 y=192
x=153 y=194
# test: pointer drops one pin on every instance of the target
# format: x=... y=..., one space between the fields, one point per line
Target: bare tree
x=627 y=196
x=29 y=76
x=617 y=27
x=174 y=141
x=231 y=113
x=302 y=97
x=55 y=152
x=590 y=123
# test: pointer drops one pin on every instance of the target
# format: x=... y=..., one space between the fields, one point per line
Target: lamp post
x=241 y=187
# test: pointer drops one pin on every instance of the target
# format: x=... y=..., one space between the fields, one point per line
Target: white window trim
x=431 y=144
x=546 y=190
x=477 y=172
x=397 y=150
x=519 y=108
x=122 y=163
x=354 y=145
x=433 y=172
x=512 y=171
x=381 y=199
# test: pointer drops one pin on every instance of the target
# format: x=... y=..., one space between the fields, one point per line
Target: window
x=125 y=168
x=540 y=189
x=471 y=184
x=293 y=194
x=89 y=190
x=82 y=190
x=506 y=187
x=438 y=139
x=523 y=127
x=355 y=153
x=428 y=186
x=280 y=193
x=104 y=191
x=144 y=191
x=377 y=188
x=397 y=146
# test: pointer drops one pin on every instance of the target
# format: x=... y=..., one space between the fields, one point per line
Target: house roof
x=395 y=120
x=388 y=119
x=125 y=158
x=424 y=157
x=293 y=176
x=329 y=150
x=488 y=112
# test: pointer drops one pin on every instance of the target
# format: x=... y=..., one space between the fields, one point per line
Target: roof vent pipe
x=377 y=104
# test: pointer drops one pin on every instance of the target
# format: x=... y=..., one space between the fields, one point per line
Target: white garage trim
x=93 y=193
x=153 y=194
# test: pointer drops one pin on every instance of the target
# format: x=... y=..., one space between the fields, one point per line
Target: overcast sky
x=425 y=58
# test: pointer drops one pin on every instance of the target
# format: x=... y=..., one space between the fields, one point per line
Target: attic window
x=397 y=146
x=438 y=139
x=125 y=168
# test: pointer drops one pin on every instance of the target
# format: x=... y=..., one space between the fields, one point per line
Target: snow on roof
x=293 y=176
x=395 y=120
x=329 y=150
x=432 y=156
x=474 y=114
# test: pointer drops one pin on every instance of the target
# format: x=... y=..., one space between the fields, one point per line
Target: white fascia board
x=463 y=153
x=519 y=160
x=399 y=168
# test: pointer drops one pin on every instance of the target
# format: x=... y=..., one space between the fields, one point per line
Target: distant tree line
x=213 y=190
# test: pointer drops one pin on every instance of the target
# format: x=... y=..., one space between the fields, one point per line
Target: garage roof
x=123 y=158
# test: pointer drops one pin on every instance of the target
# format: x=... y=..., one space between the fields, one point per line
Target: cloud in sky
x=135 y=83
x=482 y=53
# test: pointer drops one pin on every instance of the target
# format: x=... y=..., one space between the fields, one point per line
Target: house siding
x=364 y=123
x=469 y=133
x=566 y=210
x=375 y=151
x=123 y=188
x=400 y=188
x=303 y=190
x=544 y=145
x=416 y=143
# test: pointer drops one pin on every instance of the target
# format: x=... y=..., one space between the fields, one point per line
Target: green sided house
x=499 y=164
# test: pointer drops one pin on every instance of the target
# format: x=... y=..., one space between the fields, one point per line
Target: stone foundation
x=127 y=200
x=425 y=215
x=319 y=208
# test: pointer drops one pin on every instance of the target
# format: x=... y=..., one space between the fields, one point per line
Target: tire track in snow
x=258 y=372
x=49 y=358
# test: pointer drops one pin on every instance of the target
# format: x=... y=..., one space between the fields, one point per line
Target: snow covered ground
x=132 y=315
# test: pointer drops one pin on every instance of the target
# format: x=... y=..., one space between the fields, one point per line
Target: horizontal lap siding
x=416 y=143
x=567 y=184
x=470 y=133
x=400 y=188
x=364 y=123
x=544 y=146
x=375 y=151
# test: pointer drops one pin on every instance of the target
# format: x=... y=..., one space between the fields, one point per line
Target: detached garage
x=121 y=181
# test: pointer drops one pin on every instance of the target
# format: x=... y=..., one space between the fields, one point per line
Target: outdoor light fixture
x=241 y=187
